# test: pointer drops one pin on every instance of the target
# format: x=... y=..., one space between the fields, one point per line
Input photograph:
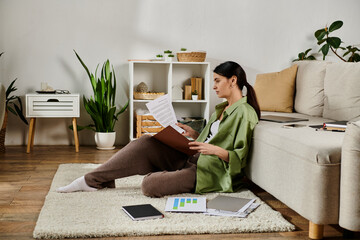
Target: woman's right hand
x=189 y=132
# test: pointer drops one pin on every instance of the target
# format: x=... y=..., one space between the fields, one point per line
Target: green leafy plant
x=171 y=55
x=183 y=49
x=13 y=102
x=354 y=56
x=159 y=56
x=303 y=56
x=332 y=43
x=168 y=51
x=101 y=106
x=194 y=92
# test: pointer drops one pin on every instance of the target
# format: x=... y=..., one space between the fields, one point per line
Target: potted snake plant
x=9 y=103
x=101 y=106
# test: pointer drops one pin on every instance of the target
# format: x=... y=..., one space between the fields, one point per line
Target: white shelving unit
x=164 y=77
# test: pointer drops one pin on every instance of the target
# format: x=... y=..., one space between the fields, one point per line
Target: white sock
x=78 y=184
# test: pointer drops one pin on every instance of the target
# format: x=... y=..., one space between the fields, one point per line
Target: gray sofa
x=315 y=173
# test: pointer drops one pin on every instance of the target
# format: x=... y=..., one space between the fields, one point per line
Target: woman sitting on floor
x=222 y=148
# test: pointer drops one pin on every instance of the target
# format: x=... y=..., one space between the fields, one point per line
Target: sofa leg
x=348 y=233
x=316 y=231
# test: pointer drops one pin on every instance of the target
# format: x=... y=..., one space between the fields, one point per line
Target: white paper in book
x=163 y=111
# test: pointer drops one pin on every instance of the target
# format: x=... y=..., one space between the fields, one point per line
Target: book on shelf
x=142 y=212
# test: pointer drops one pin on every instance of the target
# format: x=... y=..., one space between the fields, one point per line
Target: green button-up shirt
x=234 y=135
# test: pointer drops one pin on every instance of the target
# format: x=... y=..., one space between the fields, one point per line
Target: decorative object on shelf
x=177 y=92
x=333 y=44
x=14 y=105
x=159 y=57
x=197 y=86
x=142 y=87
x=168 y=56
x=147 y=95
x=101 y=107
x=46 y=88
x=186 y=56
x=187 y=94
x=194 y=95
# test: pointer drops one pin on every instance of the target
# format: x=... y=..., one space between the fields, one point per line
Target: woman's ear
x=234 y=79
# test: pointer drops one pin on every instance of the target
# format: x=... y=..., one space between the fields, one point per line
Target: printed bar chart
x=186 y=204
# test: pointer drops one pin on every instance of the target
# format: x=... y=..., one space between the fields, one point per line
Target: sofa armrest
x=349 y=215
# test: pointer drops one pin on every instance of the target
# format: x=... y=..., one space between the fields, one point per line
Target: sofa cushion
x=275 y=91
x=309 y=96
x=342 y=91
x=318 y=147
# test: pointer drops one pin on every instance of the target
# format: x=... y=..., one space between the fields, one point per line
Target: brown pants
x=168 y=171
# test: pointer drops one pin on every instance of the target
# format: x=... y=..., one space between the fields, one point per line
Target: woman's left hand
x=209 y=149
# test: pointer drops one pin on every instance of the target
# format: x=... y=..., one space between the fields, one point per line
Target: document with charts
x=186 y=204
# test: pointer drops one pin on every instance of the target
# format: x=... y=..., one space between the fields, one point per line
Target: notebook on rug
x=142 y=212
x=231 y=204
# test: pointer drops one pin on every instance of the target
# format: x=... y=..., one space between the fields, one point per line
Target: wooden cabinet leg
x=31 y=135
x=76 y=136
x=316 y=231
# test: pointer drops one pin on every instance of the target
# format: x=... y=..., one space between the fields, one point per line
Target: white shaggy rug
x=99 y=214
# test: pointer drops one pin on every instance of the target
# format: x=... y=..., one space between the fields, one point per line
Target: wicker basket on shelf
x=147 y=96
x=191 y=56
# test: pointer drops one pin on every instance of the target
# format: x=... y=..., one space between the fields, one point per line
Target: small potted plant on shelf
x=159 y=57
x=101 y=107
x=168 y=55
x=194 y=95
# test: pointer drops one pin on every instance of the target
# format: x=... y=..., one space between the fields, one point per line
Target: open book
x=163 y=111
x=174 y=139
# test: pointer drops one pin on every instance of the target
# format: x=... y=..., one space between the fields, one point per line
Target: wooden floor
x=26 y=178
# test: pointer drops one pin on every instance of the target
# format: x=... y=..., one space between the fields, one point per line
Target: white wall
x=39 y=36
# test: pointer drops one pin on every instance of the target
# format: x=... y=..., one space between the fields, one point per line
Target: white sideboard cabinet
x=170 y=78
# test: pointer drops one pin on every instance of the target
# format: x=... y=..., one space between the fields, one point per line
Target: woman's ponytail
x=252 y=100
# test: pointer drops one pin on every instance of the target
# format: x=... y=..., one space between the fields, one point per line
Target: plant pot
x=194 y=97
x=167 y=58
x=105 y=140
x=2 y=133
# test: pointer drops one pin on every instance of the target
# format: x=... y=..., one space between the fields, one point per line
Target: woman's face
x=222 y=86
